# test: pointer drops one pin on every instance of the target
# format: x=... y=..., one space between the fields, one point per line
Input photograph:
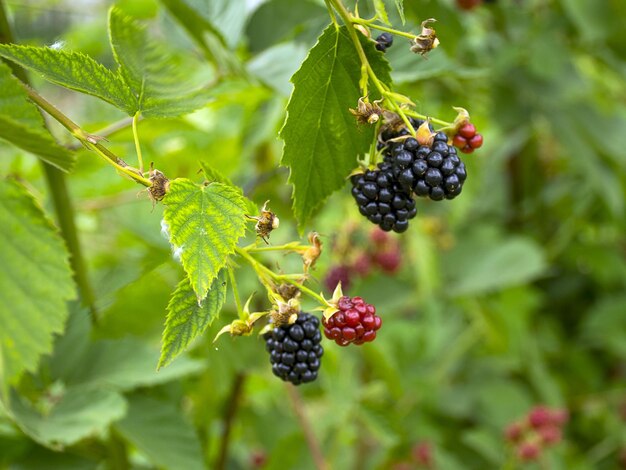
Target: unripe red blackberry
x=382 y=200
x=467 y=139
x=354 y=322
x=338 y=274
x=389 y=260
x=550 y=434
x=295 y=350
x=540 y=416
x=528 y=451
x=514 y=432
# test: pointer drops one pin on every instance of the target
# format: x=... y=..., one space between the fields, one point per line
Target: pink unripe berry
x=540 y=416
x=513 y=432
x=550 y=434
x=423 y=454
x=528 y=451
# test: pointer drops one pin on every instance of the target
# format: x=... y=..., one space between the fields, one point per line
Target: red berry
x=550 y=434
x=468 y=4
x=389 y=261
x=354 y=322
x=467 y=130
x=467 y=149
x=559 y=416
x=476 y=141
x=513 y=432
x=258 y=459
x=379 y=236
x=540 y=416
x=362 y=265
x=336 y=275
x=528 y=451
x=459 y=141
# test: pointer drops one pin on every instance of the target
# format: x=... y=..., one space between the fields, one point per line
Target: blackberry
x=384 y=41
x=382 y=200
x=295 y=350
x=354 y=322
x=433 y=171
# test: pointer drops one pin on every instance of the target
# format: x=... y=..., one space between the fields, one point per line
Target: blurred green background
x=512 y=295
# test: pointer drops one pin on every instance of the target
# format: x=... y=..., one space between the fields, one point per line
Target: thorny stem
x=108 y=131
x=311 y=440
x=265 y=272
x=349 y=19
x=371 y=24
x=137 y=145
x=57 y=185
x=89 y=141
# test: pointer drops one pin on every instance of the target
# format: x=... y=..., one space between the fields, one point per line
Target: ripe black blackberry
x=433 y=171
x=295 y=349
x=382 y=200
x=384 y=41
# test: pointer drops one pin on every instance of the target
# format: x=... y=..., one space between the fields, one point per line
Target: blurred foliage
x=511 y=295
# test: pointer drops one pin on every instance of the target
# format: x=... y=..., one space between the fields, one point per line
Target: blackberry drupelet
x=384 y=41
x=295 y=350
x=382 y=200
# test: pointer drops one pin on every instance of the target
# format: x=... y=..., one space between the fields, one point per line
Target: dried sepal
x=160 y=184
x=424 y=135
x=285 y=313
x=266 y=222
x=287 y=291
x=427 y=40
x=366 y=112
x=313 y=252
x=243 y=326
x=331 y=308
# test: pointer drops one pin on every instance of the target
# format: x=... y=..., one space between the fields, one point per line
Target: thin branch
x=311 y=440
x=229 y=416
x=108 y=131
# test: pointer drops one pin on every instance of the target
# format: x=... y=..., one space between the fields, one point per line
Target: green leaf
x=186 y=320
x=35 y=281
x=75 y=71
x=213 y=175
x=80 y=412
x=21 y=123
x=227 y=16
x=204 y=222
x=159 y=78
x=503 y=264
x=277 y=64
x=159 y=431
x=121 y=365
x=322 y=140
x=381 y=11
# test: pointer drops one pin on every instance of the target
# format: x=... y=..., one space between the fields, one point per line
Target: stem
x=233 y=283
x=107 y=131
x=311 y=440
x=348 y=19
x=288 y=278
x=371 y=24
x=331 y=12
x=86 y=139
x=57 y=185
x=229 y=416
x=136 y=138
x=432 y=119
x=294 y=246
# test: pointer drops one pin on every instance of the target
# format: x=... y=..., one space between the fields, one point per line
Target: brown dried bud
x=285 y=313
x=427 y=39
x=160 y=184
x=366 y=112
x=288 y=291
x=266 y=222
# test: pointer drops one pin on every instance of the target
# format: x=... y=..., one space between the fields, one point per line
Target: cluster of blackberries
x=382 y=200
x=384 y=41
x=295 y=350
x=355 y=321
x=433 y=171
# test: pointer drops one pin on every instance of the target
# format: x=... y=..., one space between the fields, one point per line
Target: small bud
x=427 y=40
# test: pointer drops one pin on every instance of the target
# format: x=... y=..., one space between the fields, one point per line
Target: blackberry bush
x=295 y=350
x=355 y=321
x=382 y=200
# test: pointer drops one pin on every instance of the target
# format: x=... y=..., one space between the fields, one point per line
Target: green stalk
x=55 y=180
